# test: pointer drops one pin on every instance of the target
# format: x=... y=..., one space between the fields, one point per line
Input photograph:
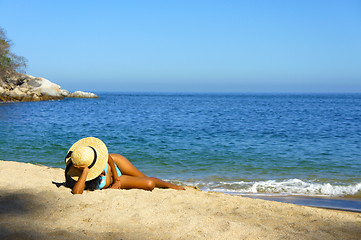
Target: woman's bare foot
x=176 y=187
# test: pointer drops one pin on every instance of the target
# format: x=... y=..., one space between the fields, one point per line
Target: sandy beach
x=35 y=205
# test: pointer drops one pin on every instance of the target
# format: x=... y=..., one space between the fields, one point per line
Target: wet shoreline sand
x=35 y=205
x=341 y=204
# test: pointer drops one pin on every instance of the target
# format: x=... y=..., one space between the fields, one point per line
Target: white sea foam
x=290 y=186
x=297 y=186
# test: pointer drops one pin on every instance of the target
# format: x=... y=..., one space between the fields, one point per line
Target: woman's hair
x=89 y=185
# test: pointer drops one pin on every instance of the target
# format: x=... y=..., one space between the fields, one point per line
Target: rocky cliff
x=21 y=87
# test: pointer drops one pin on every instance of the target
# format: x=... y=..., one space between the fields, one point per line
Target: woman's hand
x=116 y=185
x=116 y=180
x=81 y=167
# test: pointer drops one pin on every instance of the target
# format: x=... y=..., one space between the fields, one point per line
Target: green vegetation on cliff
x=9 y=62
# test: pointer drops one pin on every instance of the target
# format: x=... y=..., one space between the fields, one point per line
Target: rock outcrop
x=21 y=87
x=80 y=94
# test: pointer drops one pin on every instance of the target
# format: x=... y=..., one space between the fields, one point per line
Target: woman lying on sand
x=89 y=166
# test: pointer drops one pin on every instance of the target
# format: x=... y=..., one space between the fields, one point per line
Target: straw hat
x=88 y=151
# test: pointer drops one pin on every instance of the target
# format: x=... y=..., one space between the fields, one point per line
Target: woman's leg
x=162 y=184
x=127 y=168
x=130 y=182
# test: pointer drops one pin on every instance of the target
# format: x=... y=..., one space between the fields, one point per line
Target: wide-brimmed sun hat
x=89 y=151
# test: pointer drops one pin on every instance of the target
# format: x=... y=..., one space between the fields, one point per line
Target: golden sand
x=34 y=205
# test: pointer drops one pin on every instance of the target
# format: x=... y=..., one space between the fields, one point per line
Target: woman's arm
x=80 y=184
x=116 y=180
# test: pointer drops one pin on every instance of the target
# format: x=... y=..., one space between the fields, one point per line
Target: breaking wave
x=289 y=187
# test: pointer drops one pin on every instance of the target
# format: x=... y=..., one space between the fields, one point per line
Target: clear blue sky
x=190 y=46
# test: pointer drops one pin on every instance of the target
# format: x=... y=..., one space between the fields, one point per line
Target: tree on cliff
x=9 y=62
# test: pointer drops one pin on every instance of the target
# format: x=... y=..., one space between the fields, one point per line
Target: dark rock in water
x=19 y=87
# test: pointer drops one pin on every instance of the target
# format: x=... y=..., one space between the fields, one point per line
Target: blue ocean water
x=298 y=144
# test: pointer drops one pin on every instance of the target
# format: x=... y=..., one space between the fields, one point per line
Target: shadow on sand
x=20 y=213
